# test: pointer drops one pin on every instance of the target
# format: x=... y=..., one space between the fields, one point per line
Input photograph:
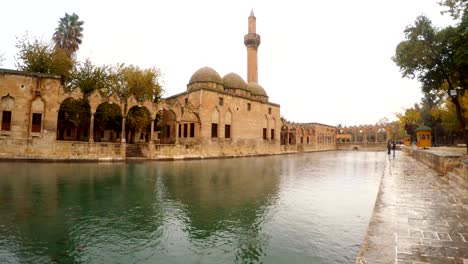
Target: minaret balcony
x=252 y=40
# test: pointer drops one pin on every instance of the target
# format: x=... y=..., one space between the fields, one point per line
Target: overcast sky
x=322 y=61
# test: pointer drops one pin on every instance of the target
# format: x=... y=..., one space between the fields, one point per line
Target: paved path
x=418 y=217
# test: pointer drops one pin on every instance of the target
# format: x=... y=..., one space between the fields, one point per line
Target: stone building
x=215 y=116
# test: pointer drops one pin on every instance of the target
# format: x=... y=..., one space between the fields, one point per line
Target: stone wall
x=60 y=150
x=439 y=162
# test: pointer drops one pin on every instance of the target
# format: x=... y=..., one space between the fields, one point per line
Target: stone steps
x=133 y=151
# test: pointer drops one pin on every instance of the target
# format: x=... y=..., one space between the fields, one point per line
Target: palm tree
x=68 y=35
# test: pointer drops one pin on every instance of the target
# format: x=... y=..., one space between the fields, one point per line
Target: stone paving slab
x=419 y=217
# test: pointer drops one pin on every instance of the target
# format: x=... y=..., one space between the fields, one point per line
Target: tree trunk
x=461 y=119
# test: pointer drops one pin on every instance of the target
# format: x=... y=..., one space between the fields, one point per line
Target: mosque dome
x=206 y=74
x=234 y=81
x=256 y=89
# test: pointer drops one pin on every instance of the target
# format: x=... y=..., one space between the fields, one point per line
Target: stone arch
x=74 y=118
x=228 y=124
x=107 y=125
x=381 y=134
x=138 y=124
x=7 y=105
x=284 y=135
x=167 y=125
x=189 y=125
x=37 y=114
x=273 y=129
x=292 y=136
x=215 y=123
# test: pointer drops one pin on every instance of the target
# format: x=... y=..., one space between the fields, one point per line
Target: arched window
x=7 y=105
x=214 y=123
x=227 y=125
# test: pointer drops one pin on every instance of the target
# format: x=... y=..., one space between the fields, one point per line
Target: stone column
x=177 y=132
x=287 y=137
x=355 y=137
x=91 y=129
x=152 y=131
x=122 y=135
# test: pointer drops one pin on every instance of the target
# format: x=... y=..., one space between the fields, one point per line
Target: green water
x=304 y=208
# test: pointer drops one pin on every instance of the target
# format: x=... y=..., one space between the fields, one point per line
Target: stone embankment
x=420 y=215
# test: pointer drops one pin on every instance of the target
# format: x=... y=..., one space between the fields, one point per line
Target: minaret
x=252 y=41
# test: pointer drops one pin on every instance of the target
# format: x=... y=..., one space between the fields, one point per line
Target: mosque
x=215 y=116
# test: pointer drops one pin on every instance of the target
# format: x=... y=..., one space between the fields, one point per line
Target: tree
x=456 y=8
x=89 y=77
x=438 y=59
x=38 y=56
x=410 y=119
x=142 y=83
x=68 y=35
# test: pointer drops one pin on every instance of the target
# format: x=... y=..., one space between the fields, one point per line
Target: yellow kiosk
x=423 y=135
x=407 y=140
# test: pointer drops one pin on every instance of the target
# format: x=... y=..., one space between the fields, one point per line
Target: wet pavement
x=418 y=217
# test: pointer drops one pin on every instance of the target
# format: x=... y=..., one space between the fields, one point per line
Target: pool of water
x=302 y=208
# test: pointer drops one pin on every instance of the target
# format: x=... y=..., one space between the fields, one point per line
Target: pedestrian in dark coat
x=394 y=147
x=389 y=147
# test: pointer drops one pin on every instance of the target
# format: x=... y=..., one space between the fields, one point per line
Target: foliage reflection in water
x=305 y=208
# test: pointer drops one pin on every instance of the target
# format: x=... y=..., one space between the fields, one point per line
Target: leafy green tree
x=410 y=119
x=89 y=77
x=68 y=35
x=456 y=8
x=438 y=59
x=144 y=84
x=38 y=56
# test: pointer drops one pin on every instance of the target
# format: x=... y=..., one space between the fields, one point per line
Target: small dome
x=234 y=81
x=206 y=74
x=256 y=89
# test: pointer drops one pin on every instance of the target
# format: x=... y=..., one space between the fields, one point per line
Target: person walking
x=388 y=147
x=394 y=147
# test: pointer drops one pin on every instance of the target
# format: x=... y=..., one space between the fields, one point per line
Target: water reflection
x=295 y=208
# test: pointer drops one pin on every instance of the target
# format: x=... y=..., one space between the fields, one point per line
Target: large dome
x=206 y=74
x=256 y=89
x=233 y=81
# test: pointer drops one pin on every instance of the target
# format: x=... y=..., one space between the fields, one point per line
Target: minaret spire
x=252 y=41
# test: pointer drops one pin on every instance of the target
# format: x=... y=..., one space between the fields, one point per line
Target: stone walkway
x=418 y=217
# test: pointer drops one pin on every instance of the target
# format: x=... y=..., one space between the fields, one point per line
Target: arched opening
x=228 y=125
x=107 y=123
x=284 y=135
x=292 y=136
x=381 y=135
x=215 y=124
x=189 y=127
x=7 y=104
x=166 y=123
x=37 y=113
x=138 y=125
x=73 y=120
